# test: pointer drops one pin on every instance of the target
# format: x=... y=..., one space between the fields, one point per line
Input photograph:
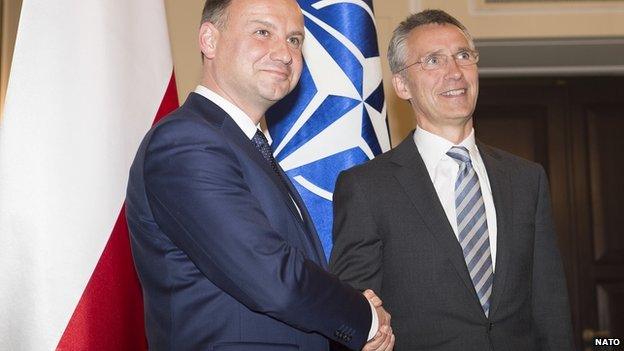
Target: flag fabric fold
x=88 y=79
x=336 y=117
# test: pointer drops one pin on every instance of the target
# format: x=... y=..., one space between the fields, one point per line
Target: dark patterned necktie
x=472 y=226
x=262 y=144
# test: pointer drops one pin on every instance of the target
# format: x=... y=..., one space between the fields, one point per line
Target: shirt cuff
x=374 y=324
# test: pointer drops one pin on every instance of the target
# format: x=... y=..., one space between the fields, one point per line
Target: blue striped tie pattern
x=472 y=226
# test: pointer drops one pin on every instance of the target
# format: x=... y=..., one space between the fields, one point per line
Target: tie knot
x=261 y=143
x=259 y=138
x=459 y=154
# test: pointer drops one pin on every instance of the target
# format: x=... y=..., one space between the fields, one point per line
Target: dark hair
x=215 y=12
x=397 y=50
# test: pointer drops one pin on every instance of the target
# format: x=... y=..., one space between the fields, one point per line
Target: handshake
x=384 y=339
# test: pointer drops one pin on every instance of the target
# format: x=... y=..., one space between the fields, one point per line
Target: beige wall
x=9 y=17
x=388 y=15
x=577 y=19
x=184 y=17
x=531 y=20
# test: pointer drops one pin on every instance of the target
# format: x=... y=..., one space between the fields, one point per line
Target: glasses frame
x=446 y=58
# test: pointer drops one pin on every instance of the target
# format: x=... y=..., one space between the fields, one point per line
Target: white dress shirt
x=244 y=122
x=443 y=171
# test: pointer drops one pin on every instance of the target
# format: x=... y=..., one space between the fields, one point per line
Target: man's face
x=442 y=97
x=258 y=56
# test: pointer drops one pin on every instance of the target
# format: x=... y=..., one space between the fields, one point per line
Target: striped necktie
x=472 y=226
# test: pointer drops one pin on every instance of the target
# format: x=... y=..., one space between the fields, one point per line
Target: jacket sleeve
x=357 y=253
x=551 y=311
x=200 y=199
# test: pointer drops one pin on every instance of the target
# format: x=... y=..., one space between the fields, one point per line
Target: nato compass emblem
x=336 y=116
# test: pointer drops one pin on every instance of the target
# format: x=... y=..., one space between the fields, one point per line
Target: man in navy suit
x=226 y=252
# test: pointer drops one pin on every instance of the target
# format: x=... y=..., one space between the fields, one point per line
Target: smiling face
x=444 y=97
x=255 y=59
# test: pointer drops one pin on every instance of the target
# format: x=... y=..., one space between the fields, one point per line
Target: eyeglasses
x=439 y=61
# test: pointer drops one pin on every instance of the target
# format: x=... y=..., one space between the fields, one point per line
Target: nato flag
x=336 y=117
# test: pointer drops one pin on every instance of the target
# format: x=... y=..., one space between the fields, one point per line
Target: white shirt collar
x=433 y=148
x=243 y=121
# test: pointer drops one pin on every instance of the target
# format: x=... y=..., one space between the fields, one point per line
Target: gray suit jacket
x=391 y=235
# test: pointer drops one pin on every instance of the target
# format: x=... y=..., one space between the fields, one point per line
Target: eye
x=295 y=41
x=432 y=60
x=262 y=32
x=464 y=56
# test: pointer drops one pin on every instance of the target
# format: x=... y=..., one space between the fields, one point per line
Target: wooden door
x=574 y=127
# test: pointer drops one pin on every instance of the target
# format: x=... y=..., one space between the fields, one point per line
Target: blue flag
x=336 y=116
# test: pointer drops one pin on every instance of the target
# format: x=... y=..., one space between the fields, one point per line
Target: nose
x=281 y=53
x=453 y=71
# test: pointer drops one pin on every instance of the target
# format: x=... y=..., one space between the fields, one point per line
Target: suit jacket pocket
x=254 y=346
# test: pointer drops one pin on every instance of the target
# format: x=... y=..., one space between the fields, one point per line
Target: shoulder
x=369 y=176
x=186 y=125
x=185 y=142
x=377 y=167
x=509 y=160
x=184 y=135
x=186 y=120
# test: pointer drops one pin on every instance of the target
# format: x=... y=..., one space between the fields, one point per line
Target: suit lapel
x=415 y=180
x=211 y=111
x=236 y=135
x=310 y=229
x=503 y=202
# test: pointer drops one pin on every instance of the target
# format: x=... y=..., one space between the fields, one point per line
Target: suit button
x=490 y=326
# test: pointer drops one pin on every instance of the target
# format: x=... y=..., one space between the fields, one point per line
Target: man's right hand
x=384 y=339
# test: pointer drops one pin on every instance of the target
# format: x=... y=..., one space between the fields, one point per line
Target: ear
x=208 y=38
x=400 y=86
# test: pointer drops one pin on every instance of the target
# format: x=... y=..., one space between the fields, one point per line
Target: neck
x=453 y=133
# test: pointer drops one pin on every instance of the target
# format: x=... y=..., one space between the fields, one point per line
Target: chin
x=460 y=111
x=275 y=94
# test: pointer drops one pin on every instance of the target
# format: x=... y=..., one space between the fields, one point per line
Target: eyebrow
x=465 y=48
x=272 y=26
x=296 y=33
x=439 y=51
x=266 y=23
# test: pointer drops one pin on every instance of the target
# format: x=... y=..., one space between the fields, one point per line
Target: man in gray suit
x=456 y=236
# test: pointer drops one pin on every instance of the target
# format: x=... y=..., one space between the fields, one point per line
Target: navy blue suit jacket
x=224 y=259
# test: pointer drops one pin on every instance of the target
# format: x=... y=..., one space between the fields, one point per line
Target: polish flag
x=87 y=81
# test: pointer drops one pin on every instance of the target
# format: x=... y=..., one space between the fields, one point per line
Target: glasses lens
x=438 y=61
x=467 y=57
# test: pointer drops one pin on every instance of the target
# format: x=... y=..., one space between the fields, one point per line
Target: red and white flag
x=88 y=78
